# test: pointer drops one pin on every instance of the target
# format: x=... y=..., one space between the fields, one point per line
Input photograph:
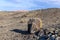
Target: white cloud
x=15 y=4
x=18 y=3
x=28 y=4
x=56 y=2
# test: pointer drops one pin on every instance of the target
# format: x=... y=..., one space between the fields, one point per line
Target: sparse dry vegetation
x=18 y=20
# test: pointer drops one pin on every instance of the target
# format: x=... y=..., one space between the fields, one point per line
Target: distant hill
x=50 y=16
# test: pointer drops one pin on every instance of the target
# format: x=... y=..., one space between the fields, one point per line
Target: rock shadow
x=20 y=31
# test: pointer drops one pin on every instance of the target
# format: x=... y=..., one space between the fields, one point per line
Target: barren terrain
x=17 y=21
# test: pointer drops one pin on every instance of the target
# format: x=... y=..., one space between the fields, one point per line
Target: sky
x=9 y=5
